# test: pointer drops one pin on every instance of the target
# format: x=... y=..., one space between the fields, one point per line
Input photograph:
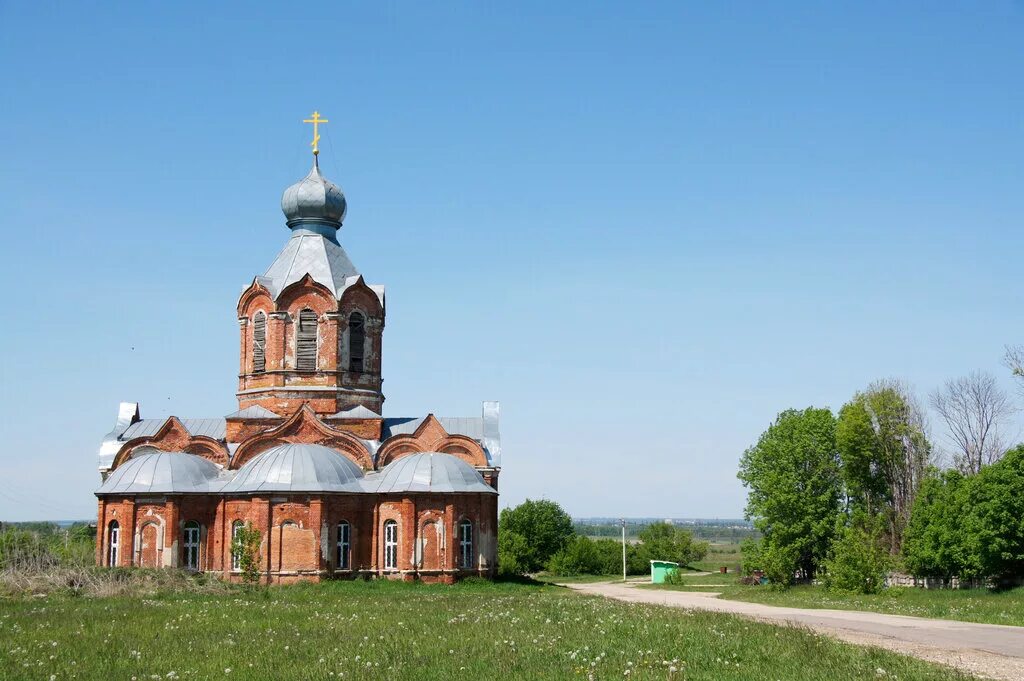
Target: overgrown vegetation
x=391 y=630
x=245 y=548
x=539 y=535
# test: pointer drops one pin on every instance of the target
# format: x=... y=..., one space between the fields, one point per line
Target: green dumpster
x=660 y=569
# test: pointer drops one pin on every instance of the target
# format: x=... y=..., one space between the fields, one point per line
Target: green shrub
x=858 y=560
x=579 y=557
x=246 y=545
x=545 y=528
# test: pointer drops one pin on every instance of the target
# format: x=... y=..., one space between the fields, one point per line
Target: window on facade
x=344 y=545
x=236 y=557
x=305 y=341
x=191 y=544
x=465 y=544
x=113 y=543
x=391 y=545
x=356 y=341
x=259 y=342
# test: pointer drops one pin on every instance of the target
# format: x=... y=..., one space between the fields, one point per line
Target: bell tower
x=310 y=326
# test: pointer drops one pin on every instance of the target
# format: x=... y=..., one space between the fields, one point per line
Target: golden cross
x=316 y=121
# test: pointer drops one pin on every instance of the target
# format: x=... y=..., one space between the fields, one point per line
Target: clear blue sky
x=646 y=230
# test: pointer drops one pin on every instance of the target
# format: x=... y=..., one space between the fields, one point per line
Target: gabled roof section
x=254 y=412
x=356 y=412
x=146 y=427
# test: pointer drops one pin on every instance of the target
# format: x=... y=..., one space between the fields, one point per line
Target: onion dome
x=427 y=472
x=151 y=470
x=297 y=468
x=314 y=199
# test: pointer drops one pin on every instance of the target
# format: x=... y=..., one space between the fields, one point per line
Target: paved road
x=990 y=650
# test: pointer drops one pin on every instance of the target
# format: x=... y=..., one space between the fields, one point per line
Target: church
x=335 y=489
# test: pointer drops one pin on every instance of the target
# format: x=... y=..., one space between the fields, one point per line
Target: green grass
x=966 y=605
x=718 y=555
x=383 y=630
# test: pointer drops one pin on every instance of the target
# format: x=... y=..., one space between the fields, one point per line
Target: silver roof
x=314 y=254
x=214 y=428
x=427 y=472
x=153 y=471
x=314 y=197
x=254 y=412
x=297 y=468
x=356 y=412
x=127 y=414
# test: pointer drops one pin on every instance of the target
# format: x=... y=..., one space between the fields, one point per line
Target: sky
x=645 y=228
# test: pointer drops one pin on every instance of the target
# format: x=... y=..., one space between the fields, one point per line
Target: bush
x=514 y=553
x=661 y=541
x=778 y=563
x=579 y=557
x=246 y=545
x=545 y=529
x=858 y=560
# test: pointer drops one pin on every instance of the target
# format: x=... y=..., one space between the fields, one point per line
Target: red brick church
x=335 y=489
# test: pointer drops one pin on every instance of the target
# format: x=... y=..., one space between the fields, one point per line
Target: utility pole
x=622 y=521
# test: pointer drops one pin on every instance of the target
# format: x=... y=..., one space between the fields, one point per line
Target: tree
x=995 y=525
x=973 y=408
x=246 y=545
x=662 y=541
x=935 y=543
x=793 y=480
x=885 y=453
x=514 y=553
x=859 y=558
x=544 y=528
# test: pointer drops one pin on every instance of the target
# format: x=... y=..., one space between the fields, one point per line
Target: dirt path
x=988 y=650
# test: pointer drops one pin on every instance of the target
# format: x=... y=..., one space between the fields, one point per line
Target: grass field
x=384 y=630
x=967 y=605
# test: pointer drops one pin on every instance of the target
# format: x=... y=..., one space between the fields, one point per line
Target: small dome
x=297 y=468
x=314 y=198
x=152 y=470
x=427 y=472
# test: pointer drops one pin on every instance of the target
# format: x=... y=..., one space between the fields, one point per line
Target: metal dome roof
x=427 y=472
x=151 y=470
x=315 y=198
x=297 y=468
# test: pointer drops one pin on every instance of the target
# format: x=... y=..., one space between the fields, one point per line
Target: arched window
x=236 y=556
x=466 y=544
x=113 y=543
x=344 y=545
x=356 y=341
x=391 y=545
x=305 y=341
x=191 y=544
x=259 y=342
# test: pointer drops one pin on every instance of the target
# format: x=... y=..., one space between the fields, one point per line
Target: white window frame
x=236 y=558
x=344 y=545
x=466 y=558
x=113 y=543
x=390 y=545
x=190 y=541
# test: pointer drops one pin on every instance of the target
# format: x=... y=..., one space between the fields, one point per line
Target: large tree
x=973 y=408
x=885 y=452
x=794 y=489
x=970 y=526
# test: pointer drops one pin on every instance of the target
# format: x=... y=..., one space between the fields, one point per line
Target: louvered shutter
x=356 y=340
x=305 y=342
x=259 y=342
